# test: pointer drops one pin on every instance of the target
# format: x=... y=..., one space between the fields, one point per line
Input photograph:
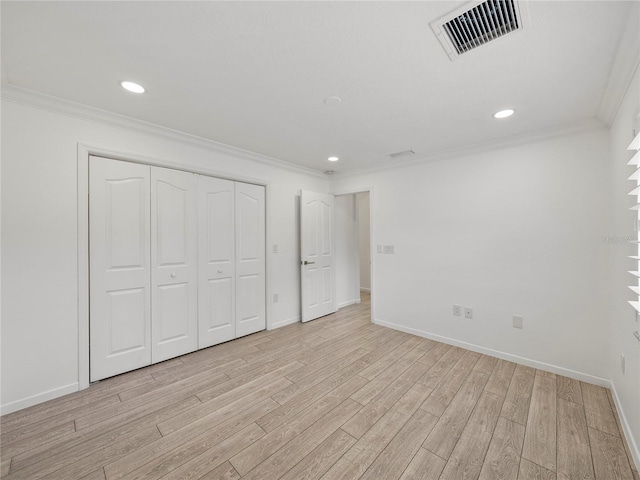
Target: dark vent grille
x=481 y=24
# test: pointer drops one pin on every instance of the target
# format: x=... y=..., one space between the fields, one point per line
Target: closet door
x=216 y=266
x=174 y=263
x=120 y=320
x=250 y=259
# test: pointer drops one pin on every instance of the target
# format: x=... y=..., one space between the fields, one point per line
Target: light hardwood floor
x=337 y=398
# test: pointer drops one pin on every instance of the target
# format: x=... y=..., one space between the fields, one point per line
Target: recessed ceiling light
x=133 y=87
x=504 y=113
x=333 y=159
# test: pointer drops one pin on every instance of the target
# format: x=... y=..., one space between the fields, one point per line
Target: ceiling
x=254 y=74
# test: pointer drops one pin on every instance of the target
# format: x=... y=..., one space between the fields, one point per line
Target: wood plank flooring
x=336 y=398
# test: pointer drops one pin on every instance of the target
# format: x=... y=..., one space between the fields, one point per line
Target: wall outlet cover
x=457 y=310
x=518 y=322
x=468 y=312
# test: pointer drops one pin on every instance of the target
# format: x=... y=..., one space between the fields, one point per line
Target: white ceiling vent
x=478 y=23
x=404 y=153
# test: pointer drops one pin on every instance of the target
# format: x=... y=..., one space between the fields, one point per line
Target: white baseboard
x=38 y=398
x=348 y=302
x=585 y=377
x=284 y=323
x=633 y=445
x=367 y=290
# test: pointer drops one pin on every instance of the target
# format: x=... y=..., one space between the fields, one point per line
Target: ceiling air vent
x=472 y=26
x=405 y=153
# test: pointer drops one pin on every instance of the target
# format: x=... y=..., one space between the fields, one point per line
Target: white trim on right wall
x=631 y=442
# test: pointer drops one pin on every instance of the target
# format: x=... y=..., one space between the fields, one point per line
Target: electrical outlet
x=276 y=298
x=622 y=365
x=468 y=312
x=388 y=249
x=518 y=322
x=275 y=248
x=457 y=310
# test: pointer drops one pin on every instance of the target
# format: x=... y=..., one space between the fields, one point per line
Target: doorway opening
x=353 y=249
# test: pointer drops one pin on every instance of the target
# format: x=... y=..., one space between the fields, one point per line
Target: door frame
x=83 y=152
x=372 y=243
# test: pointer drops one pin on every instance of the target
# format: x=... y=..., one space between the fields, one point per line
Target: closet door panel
x=216 y=267
x=174 y=263
x=250 y=258
x=120 y=304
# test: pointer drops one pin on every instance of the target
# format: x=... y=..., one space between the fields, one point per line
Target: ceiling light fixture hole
x=332 y=101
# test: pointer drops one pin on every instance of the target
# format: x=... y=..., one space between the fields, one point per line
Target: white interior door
x=120 y=301
x=174 y=263
x=216 y=266
x=318 y=272
x=250 y=259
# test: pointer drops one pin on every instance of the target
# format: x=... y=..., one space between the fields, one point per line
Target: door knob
x=173 y=275
x=308 y=263
x=219 y=271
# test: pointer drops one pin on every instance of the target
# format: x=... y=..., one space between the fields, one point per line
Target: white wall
x=39 y=237
x=620 y=314
x=346 y=261
x=517 y=230
x=364 y=242
x=513 y=231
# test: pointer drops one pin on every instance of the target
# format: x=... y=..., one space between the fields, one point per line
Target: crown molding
x=22 y=96
x=30 y=98
x=588 y=125
x=624 y=67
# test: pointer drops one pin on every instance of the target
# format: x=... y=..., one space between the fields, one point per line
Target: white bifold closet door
x=250 y=259
x=174 y=261
x=177 y=263
x=216 y=264
x=120 y=263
